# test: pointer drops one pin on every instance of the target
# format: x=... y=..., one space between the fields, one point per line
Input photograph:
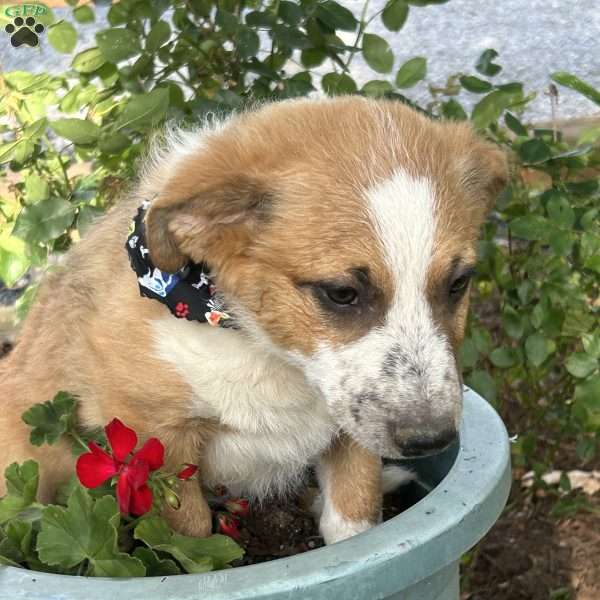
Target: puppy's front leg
x=350 y=481
x=184 y=445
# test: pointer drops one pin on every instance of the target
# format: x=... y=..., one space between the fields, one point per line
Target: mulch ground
x=533 y=554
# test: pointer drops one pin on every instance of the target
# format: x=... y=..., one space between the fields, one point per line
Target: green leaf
x=395 y=14
x=560 y=212
x=36 y=188
x=290 y=13
x=530 y=227
x=155 y=566
x=50 y=419
x=468 y=354
x=63 y=37
x=117 y=44
x=482 y=340
x=580 y=364
x=312 y=57
x=489 y=109
x=338 y=83
x=195 y=555
x=79 y=131
x=452 y=109
x=484 y=64
x=504 y=357
x=474 y=84
x=534 y=151
x=512 y=322
x=336 y=16
x=88 y=61
x=291 y=37
x=574 y=83
x=248 y=42
x=376 y=88
x=483 y=383
x=377 y=53
x=83 y=14
x=21 y=489
x=538 y=348
x=13 y=261
x=587 y=400
x=411 y=72
x=114 y=143
x=85 y=530
x=44 y=221
x=159 y=35
x=143 y=111
x=591 y=344
x=15 y=544
x=514 y=124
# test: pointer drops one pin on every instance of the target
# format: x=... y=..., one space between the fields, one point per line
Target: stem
x=64 y=170
x=77 y=438
x=361 y=29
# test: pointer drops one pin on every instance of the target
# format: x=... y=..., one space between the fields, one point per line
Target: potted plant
x=414 y=555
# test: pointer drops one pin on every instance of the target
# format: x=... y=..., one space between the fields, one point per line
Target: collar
x=189 y=293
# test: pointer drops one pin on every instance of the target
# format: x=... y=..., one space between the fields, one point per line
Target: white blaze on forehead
x=402 y=210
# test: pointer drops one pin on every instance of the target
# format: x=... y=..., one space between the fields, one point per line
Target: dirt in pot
x=278 y=529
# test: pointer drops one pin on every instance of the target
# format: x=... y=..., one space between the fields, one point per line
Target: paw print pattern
x=24 y=31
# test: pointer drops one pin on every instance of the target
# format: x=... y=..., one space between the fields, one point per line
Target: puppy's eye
x=459 y=286
x=342 y=295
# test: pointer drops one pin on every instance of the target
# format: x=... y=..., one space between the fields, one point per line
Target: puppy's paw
x=193 y=517
x=186 y=523
x=334 y=527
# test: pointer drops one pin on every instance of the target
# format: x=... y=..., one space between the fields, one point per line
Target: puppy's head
x=342 y=233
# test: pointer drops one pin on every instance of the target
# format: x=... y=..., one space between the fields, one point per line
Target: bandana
x=189 y=293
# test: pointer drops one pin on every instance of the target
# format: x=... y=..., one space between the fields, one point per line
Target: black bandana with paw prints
x=188 y=294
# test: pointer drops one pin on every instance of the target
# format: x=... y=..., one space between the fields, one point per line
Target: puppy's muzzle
x=425 y=445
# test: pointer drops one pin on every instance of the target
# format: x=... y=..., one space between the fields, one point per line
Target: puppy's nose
x=427 y=444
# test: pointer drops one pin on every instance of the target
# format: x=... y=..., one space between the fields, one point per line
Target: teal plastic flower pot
x=414 y=556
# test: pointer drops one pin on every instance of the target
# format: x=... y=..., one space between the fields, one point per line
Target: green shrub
x=71 y=141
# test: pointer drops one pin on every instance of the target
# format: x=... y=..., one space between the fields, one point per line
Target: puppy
x=340 y=235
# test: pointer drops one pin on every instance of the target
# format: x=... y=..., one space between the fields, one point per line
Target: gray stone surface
x=534 y=38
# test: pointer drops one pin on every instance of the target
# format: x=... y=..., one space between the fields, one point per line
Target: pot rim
x=422 y=540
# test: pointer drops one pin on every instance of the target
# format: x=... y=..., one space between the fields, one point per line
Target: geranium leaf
x=21 y=489
x=155 y=566
x=195 y=555
x=85 y=530
x=50 y=419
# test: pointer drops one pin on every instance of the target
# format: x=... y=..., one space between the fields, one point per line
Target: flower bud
x=238 y=506
x=172 y=499
x=227 y=525
x=187 y=472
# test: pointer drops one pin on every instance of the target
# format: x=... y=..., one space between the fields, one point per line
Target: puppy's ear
x=485 y=173
x=196 y=211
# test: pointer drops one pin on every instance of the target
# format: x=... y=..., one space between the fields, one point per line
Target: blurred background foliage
x=69 y=143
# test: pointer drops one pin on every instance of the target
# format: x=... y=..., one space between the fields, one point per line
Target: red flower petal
x=152 y=452
x=141 y=501
x=95 y=467
x=122 y=439
x=123 y=493
x=137 y=473
x=189 y=471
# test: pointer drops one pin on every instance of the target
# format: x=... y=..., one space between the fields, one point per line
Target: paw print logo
x=24 y=31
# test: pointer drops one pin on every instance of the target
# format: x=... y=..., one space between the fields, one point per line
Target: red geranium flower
x=95 y=467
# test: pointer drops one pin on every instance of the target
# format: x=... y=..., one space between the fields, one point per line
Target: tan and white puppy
x=342 y=235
